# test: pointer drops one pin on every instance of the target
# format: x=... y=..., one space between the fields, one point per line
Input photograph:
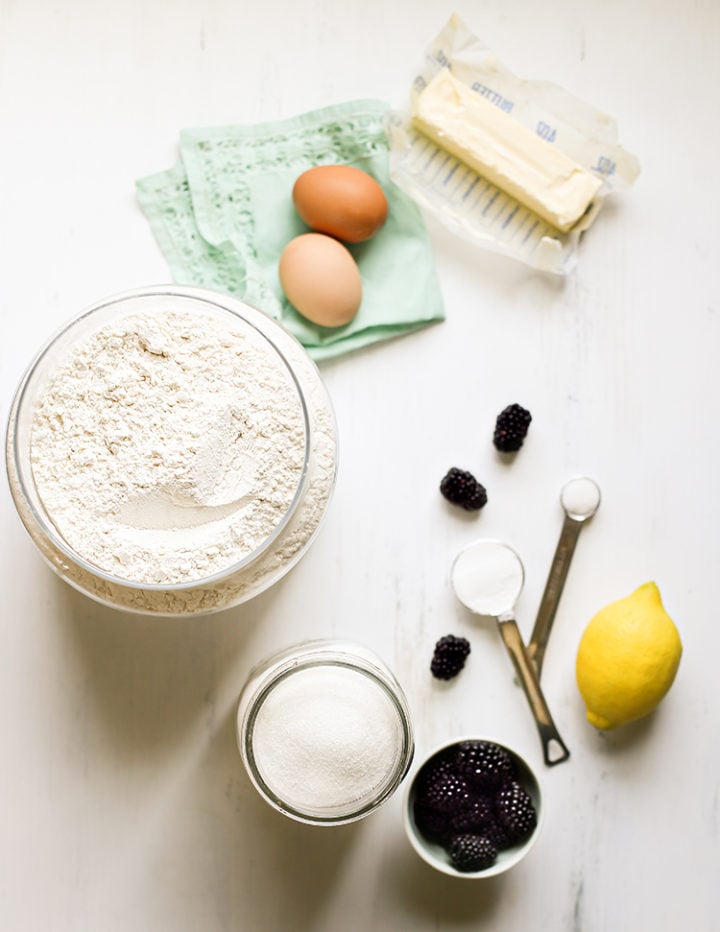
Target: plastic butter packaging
x=520 y=167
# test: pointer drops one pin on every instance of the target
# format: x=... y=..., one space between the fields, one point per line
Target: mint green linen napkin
x=224 y=213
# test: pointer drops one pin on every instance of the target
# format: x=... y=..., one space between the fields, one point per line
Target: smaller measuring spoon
x=488 y=577
x=580 y=499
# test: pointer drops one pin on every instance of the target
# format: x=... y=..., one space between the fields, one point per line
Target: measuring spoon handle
x=554 y=748
x=553 y=590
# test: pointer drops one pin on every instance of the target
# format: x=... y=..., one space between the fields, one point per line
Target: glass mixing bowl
x=288 y=539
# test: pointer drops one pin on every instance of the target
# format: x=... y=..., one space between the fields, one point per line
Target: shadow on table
x=150 y=682
x=432 y=897
x=156 y=701
x=287 y=872
x=627 y=739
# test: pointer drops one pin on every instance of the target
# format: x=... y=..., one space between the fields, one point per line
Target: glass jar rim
x=223 y=303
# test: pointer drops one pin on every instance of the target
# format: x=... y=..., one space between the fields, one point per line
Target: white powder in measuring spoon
x=168 y=446
x=326 y=739
x=488 y=577
x=580 y=497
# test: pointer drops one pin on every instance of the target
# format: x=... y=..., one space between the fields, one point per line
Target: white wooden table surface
x=123 y=802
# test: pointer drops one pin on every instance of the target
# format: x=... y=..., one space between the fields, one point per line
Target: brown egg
x=340 y=200
x=321 y=279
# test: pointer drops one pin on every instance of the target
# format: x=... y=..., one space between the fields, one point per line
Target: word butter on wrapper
x=516 y=166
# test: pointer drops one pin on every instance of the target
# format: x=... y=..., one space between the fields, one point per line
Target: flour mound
x=168 y=447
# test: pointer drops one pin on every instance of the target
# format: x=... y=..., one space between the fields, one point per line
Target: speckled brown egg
x=321 y=279
x=342 y=201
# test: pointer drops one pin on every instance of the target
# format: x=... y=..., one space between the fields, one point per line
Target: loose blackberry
x=449 y=657
x=511 y=428
x=443 y=790
x=462 y=488
x=516 y=812
x=472 y=852
x=486 y=765
x=474 y=817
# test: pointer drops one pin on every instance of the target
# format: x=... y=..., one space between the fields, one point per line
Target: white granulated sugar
x=168 y=447
x=326 y=738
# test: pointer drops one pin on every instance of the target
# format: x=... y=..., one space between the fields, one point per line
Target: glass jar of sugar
x=324 y=731
x=172 y=451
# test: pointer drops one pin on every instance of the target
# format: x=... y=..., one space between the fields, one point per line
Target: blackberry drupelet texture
x=443 y=790
x=467 y=799
x=476 y=814
x=472 y=852
x=511 y=428
x=486 y=765
x=449 y=657
x=432 y=824
x=498 y=835
x=516 y=811
x=462 y=488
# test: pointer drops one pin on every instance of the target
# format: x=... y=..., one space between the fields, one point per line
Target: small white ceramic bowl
x=435 y=855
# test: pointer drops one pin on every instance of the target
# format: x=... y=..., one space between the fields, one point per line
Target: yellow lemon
x=627 y=659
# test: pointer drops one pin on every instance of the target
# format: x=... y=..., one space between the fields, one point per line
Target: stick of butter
x=504 y=151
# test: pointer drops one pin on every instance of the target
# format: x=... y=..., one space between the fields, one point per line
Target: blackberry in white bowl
x=473 y=808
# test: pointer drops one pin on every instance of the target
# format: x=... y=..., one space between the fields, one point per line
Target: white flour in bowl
x=168 y=447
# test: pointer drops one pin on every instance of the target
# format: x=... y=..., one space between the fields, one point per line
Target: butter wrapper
x=469 y=204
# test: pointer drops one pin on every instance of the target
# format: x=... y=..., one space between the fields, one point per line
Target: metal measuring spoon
x=580 y=499
x=488 y=577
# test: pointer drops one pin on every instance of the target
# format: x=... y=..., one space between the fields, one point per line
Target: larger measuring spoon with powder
x=488 y=577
